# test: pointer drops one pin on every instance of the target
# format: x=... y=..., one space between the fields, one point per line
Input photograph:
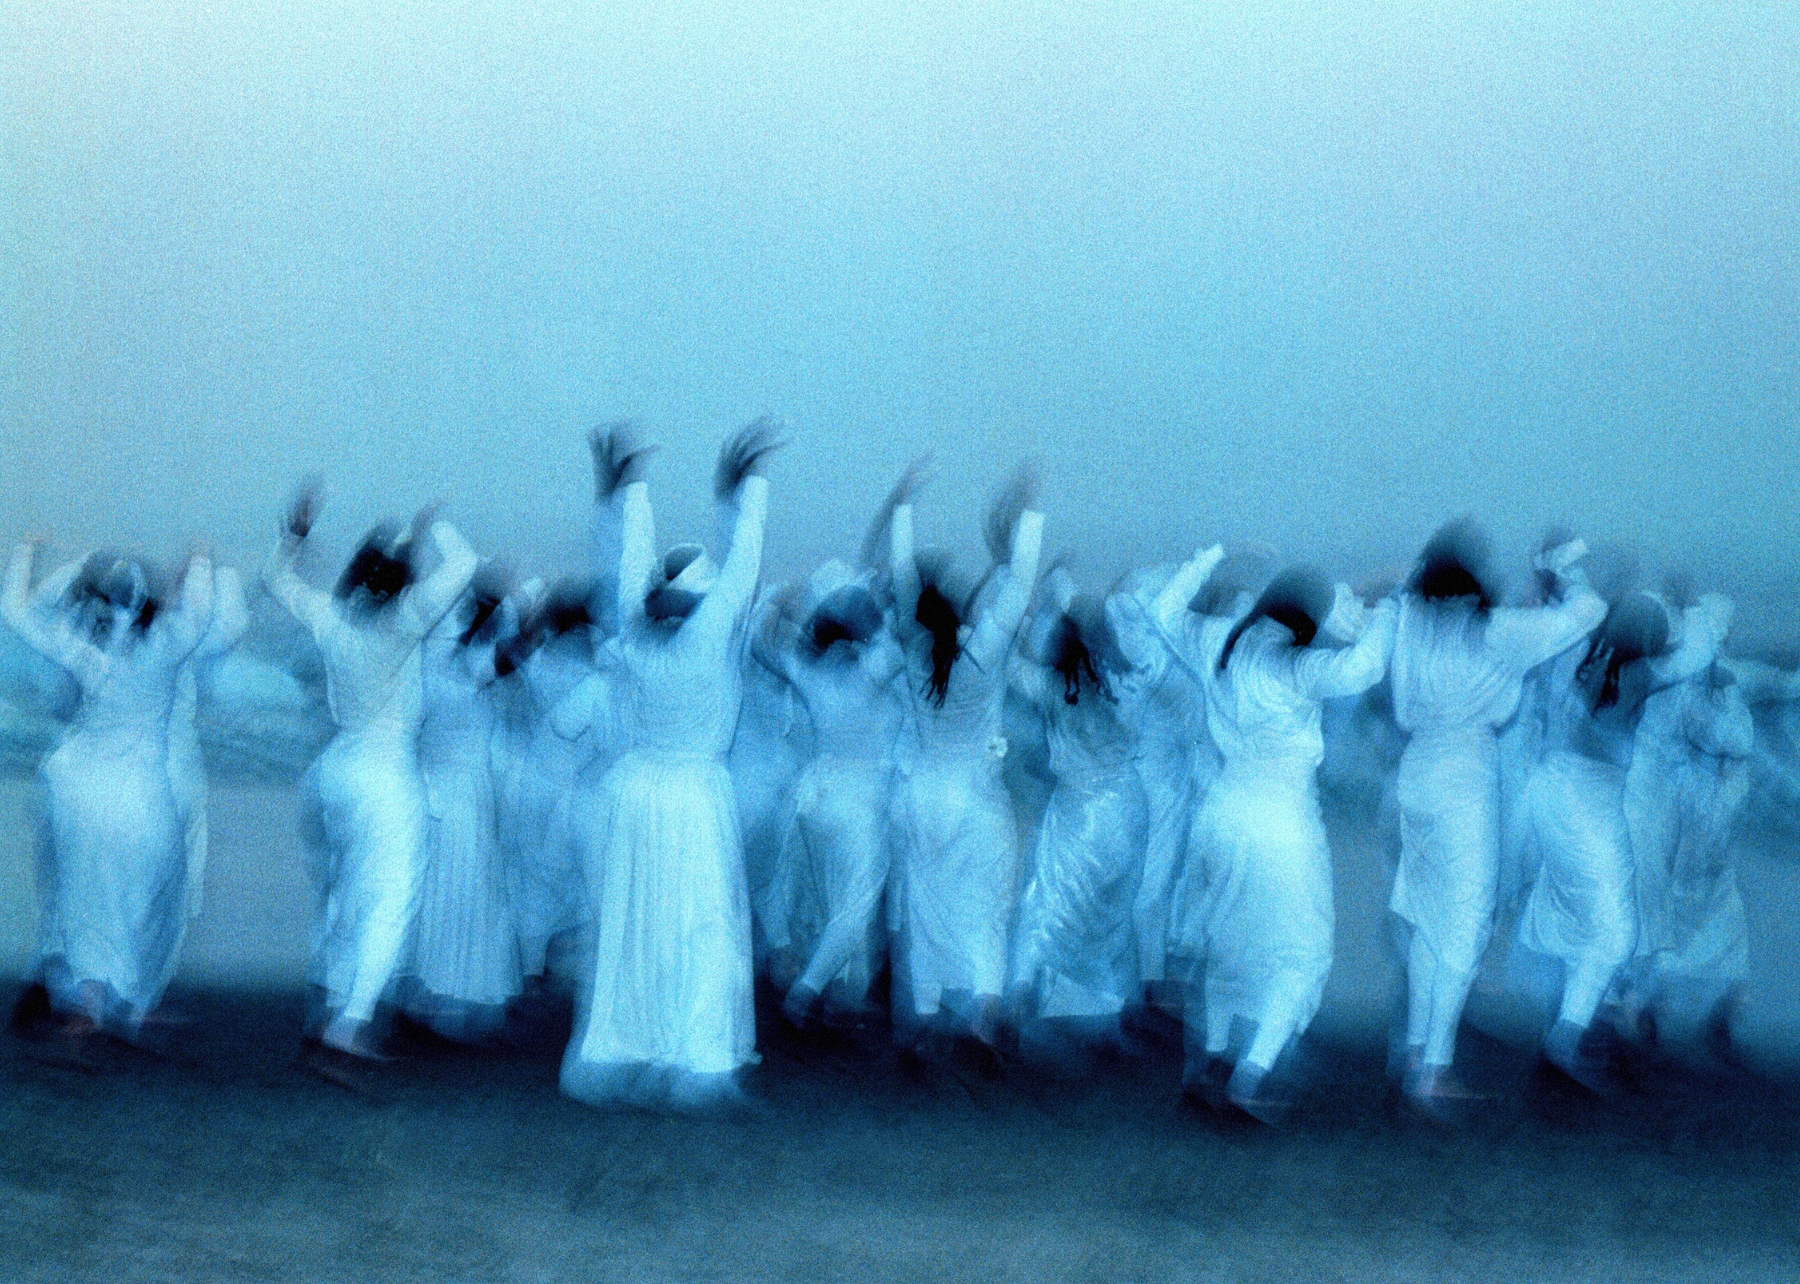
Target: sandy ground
x=225 y=1160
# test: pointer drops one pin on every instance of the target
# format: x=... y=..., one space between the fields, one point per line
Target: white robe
x=668 y=1012
x=1076 y=946
x=119 y=901
x=369 y=791
x=956 y=855
x=1259 y=851
x=1457 y=676
x=824 y=901
x=465 y=952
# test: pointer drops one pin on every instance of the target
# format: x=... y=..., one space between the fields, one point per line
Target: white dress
x=465 y=954
x=1457 y=676
x=1582 y=907
x=1076 y=947
x=1689 y=776
x=367 y=787
x=543 y=780
x=956 y=846
x=669 y=1011
x=1259 y=863
x=118 y=838
x=824 y=902
x=1163 y=704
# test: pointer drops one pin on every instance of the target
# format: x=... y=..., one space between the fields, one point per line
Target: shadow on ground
x=224 y=1159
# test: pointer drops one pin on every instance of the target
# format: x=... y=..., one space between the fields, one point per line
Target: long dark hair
x=115 y=581
x=1635 y=628
x=1298 y=599
x=939 y=618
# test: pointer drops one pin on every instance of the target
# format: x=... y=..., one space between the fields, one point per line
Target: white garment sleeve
x=183 y=629
x=999 y=624
x=1322 y=674
x=430 y=600
x=637 y=552
x=1523 y=637
x=305 y=603
x=36 y=618
x=1171 y=603
x=724 y=605
x=903 y=570
x=1703 y=629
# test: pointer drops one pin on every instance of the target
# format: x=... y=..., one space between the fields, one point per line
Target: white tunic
x=1456 y=677
x=369 y=790
x=956 y=857
x=669 y=1008
x=118 y=908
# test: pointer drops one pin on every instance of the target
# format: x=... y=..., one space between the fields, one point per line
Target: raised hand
x=1019 y=494
x=303 y=509
x=621 y=456
x=743 y=454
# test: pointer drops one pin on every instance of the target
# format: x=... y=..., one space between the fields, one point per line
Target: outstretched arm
x=903 y=571
x=187 y=626
x=1761 y=683
x=281 y=572
x=430 y=599
x=1324 y=674
x=1703 y=629
x=1169 y=605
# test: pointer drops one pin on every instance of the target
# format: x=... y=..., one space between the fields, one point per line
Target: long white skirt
x=670 y=1008
x=1169 y=794
x=1581 y=907
x=1261 y=874
x=372 y=806
x=1077 y=941
x=956 y=858
x=117 y=845
x=465 y=943
x=1448 y=790
x=826 y=898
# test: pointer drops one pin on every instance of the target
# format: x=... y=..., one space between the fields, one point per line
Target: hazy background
x=1318 y=273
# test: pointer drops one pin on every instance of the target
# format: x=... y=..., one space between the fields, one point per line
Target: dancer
x=370 y=794
x=956 y=857
x=1075 y=957
x=465 y=965
x=117 y=908
x=668 y=1017
x=1459 y=662
x=1581 y=908
x=1259 y=845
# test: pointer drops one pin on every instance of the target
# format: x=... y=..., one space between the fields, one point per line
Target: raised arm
x=1325 y=674
x=429 y=600
x=999 y=624
x=1169 y=605
x=903 y=571
x=281 y=574
x=230 y=613
x=736 y=585
x=35 y=617
x=186 y=627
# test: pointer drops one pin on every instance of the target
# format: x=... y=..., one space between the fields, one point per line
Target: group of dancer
x=662 y=779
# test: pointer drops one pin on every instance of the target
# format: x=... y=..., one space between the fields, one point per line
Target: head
x=379 y=571
x=687 y=575
x=480 y=608
x=114 y=591
x=1635 y=628
x=561 y=619
x=847 y=615
x=1083 y=648
x=1298 y=599
x=1454 y=566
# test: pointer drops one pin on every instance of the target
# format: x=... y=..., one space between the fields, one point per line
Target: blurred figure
x=668 y=1015
x=1259 y=845
x=956 y=857
x=1075 y=956
x=1459 y=663
x=1581 y=909
x=465 y=965
x=117 y=907
x=369 y=792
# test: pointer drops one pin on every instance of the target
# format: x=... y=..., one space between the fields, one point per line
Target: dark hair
x=847 y=615
x=1454 y=565
x=1299 y=599
x=381 y=567
x=1072 y=659
x=1635 y=628
x=113 y=580
x=939 y=618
